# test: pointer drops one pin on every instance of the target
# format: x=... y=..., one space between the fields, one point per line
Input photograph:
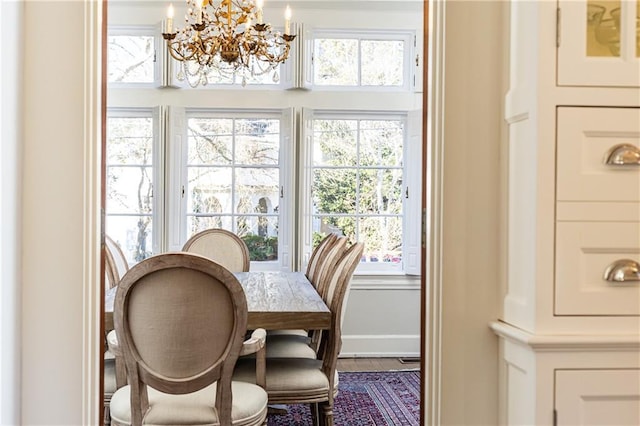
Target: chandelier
x=227 y=38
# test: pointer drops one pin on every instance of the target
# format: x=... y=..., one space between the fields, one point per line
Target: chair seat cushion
x=289 y=346
x=292 y=332
x=289 y=380
x=249 y=406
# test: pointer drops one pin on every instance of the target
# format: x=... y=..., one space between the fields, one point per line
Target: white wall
x=52 y=213
x=10 y=174
x=474 y=209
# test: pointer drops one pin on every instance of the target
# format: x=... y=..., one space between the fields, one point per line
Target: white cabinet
x=597 y=397
x=570 y=329
x=598 y=43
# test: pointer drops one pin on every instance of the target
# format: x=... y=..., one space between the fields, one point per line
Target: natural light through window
x=357 y=184
x=234 y=180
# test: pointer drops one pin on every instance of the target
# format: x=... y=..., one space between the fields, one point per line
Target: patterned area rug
x=372 y=398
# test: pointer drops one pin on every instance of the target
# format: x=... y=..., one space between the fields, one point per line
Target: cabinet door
x=598 y=397
x=599 y=43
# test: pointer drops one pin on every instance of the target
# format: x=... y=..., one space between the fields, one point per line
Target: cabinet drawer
x=584 y=250
x=598 y=397
x=585 y=137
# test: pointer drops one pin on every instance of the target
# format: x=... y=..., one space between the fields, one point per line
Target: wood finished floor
x=376 y=364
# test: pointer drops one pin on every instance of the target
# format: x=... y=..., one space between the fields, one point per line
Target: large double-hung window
x=235 y=171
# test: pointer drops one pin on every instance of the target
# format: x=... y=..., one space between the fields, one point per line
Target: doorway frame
x=433 y=160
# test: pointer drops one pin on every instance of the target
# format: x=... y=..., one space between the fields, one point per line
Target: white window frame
x=150 y=31
x=412 y=188
x=409 y=53
x=178 y=175
x=157 y=166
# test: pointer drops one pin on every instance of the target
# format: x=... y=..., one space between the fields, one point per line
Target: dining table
x=276 y=300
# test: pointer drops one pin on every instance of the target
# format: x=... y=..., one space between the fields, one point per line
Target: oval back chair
x=221 y=246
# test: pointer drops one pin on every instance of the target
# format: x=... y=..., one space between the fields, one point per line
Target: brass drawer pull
x=623 y=154
x=623 y=270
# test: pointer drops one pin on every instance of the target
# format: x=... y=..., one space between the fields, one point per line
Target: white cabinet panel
x=598 y=397
x=599 y=43
x=585 y=137
x=583 y=252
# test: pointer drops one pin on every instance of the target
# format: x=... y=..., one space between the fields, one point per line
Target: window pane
x=133 y=234
x=259 y=188
x=130 y=59
x=334 y=142
x=209 y=190
x=341 y=225
x=334 y=191
x=335 y=62
x=129 y=189
x=382 y=62
x=260 y=233
x=381 y=143
x=380 y=191
x=196 y=224
x=130 y=140
x=382 y=237
x=257 y=141
x=210 y=141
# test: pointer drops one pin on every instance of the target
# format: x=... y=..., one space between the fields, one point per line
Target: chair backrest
x=327 y=264
x=316 y=256
x=180 y=320
x=115 y=262
x=338 y=287
x=221 y=246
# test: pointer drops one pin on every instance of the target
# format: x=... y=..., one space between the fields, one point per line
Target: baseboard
x=380 y=346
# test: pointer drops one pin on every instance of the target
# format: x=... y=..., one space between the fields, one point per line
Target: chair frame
x=246 y=261
x=111 y=250
x=140 y=374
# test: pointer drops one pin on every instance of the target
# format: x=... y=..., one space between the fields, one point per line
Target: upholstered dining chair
x=221 y=246
x=115 y=266
x=115 y=262
x=306 y=380
x=313 y=267
x=181 y=320
x=304 y=343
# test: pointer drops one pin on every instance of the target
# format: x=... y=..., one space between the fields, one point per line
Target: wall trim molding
x=566 y=342
x=380 y=346
x=433 y=196
x=91 y=311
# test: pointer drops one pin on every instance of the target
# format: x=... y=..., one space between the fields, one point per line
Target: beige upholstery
x=180 y=320
x=221 y=246
x=303 y=380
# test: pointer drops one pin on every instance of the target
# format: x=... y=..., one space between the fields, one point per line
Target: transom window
x=359 y=59
x=131 y=56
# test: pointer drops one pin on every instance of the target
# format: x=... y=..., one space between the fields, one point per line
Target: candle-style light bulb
x=287 y=20
x=259 y=6
x=169 y=28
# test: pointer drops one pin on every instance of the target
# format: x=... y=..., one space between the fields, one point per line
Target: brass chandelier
x=227 y=37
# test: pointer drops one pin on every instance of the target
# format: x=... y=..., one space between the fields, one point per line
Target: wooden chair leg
x=315 y=418
x=327 y=414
